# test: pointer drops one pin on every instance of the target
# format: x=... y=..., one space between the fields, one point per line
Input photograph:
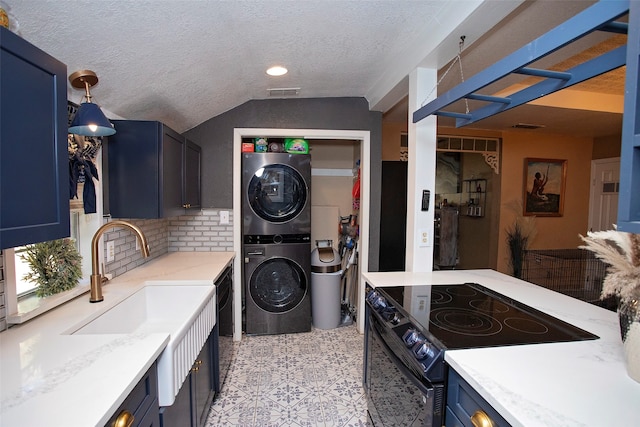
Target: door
x=393 y=216
x=277 y=193
x=278 y=285
x=171 y=173
x=192 y=172
x=605 y=186
x=34 y=190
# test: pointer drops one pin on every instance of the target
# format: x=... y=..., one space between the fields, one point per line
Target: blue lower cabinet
x=451 y=420
x=191 y=406
x=140 y=408
x=466 y=408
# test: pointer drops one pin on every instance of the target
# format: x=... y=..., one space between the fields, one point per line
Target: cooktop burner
x=471 y=315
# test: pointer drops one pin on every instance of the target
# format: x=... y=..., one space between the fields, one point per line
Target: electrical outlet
x=224 y=217
x=423 y=303
x=111 y=251
x=424 y=238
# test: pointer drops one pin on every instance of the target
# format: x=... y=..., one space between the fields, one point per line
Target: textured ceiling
x=185 y=61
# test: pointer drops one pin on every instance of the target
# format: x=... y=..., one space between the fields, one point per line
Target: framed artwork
x=544 y=182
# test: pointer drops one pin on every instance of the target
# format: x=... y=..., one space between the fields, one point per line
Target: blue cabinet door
x=465 y=407
x=154 y=172
x=34 y=166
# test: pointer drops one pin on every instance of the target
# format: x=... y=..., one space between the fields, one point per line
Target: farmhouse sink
x=186 y=312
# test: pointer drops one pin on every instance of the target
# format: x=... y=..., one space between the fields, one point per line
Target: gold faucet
x=97 y=279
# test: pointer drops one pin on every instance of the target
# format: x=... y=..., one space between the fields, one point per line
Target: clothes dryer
x=277 y=294
x=276 y=196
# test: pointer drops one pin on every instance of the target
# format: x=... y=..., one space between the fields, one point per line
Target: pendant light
x=89 y=119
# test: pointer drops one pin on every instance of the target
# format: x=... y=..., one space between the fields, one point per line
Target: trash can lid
x=325 y=260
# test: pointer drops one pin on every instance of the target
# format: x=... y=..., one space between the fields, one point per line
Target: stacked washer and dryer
x=276 y=211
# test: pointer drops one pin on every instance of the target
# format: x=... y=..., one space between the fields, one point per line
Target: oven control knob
x=391 y=316
x=379 y=303
x=422 y=350
x=411 y=337
x=371 y=295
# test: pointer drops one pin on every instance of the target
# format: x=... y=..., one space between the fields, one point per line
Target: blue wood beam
x=547 y=74
x=587 y=21
x=585 y=71
x=629 y=196
x=615 y=27
x=489 y=98
x=454 y=115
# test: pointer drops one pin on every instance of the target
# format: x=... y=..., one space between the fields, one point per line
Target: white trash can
x=326 y=276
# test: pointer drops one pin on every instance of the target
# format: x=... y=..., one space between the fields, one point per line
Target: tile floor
x=308 y=379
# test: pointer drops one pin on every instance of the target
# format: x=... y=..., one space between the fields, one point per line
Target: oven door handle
x=424 y=389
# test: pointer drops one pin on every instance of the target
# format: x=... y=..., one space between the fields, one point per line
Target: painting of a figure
x=544 y=181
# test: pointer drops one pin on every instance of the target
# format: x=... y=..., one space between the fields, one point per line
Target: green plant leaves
x=56 y=266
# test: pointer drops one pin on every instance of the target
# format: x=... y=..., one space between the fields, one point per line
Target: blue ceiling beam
x=547 y=74
x=585 y=71
x=600 y=16
x=615 y=27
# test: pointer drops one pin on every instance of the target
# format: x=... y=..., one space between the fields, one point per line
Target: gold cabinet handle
x=125 y=419
x=481 y=419
x=196 y=366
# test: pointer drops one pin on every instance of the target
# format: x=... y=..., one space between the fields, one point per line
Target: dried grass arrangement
x=622 y=252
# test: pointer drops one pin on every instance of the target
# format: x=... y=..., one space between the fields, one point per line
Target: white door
x=603 y=202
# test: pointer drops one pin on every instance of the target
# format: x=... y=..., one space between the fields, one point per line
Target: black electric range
x=473 y=316
x=409 y=329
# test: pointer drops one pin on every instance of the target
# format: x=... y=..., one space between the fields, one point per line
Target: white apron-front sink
x=186 y=312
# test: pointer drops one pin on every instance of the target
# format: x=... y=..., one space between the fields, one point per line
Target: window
x=21 y=302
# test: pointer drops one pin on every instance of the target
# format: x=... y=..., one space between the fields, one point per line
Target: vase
x=629 y=316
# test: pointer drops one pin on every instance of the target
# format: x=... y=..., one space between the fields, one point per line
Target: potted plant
x=55 y=266
x=622 y=252
x=519 y=235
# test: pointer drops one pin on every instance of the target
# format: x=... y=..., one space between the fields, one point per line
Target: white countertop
x=50 y=378
x=563 y=384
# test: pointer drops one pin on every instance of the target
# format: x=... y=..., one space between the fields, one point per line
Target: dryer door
x=277 y=193
x=278 y=285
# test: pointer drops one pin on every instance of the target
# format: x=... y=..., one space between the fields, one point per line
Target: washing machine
x=276 y=199
x=277 y=293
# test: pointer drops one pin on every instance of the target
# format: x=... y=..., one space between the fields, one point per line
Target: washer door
x=278 y=285
x=277 y=193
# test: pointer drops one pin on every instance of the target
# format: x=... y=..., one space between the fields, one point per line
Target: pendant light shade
x=89 y=119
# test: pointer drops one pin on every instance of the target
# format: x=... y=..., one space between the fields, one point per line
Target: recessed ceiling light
x=277 y=71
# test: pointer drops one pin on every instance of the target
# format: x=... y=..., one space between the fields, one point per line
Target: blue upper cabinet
x=154 y=172
x=34 y=165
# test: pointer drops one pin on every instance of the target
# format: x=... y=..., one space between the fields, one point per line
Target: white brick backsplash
x=200 y=232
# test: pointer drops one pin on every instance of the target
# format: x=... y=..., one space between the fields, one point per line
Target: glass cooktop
x=471 y=315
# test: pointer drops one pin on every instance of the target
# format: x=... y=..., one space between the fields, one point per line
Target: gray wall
x=215 y=136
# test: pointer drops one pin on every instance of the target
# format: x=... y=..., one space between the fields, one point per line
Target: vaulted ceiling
x=185 y=61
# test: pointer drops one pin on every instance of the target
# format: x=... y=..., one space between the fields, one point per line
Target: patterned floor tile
x=299 y=380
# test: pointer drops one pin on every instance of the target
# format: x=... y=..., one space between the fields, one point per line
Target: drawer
x=142 y=400
x=463 y=402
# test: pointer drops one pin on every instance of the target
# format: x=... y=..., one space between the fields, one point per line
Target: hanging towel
x=82 y=169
